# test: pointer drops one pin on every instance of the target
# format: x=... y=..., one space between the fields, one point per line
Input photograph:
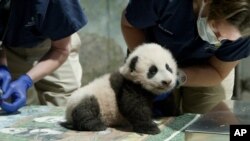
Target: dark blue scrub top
x=172 y=23
x=32 y=21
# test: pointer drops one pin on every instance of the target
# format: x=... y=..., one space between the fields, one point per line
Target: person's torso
x=177 y=31
x=31 y=21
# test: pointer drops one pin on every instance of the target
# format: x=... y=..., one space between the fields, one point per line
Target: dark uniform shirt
x=172 y=23
x=29 y=22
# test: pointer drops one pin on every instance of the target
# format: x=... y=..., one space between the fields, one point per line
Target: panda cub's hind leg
x=86 y=116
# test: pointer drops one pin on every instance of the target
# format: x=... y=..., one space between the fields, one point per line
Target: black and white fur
x=125 y=95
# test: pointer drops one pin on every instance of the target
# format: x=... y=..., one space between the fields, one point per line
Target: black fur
x=168 y=68
x=152 y=71
x=133 y=62
x=116 y=81
x=86 y=116
x=134 y=103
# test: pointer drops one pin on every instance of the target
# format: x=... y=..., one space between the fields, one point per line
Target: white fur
x=148 y=54
x=105 y=95
x=151 y=54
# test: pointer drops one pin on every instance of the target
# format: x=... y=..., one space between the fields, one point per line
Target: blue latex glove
x=17 y=91
x=5 y=77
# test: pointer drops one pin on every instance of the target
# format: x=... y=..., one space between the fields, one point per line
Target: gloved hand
x=5 y=77
x=17 y=91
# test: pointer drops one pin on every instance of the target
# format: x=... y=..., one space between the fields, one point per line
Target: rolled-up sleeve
x=234 y=50
x=141 y=13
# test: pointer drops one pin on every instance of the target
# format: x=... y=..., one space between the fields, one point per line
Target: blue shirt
x=172 y=24
x=32 y=21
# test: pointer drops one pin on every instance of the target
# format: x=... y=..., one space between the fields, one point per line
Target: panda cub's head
x=152 y=66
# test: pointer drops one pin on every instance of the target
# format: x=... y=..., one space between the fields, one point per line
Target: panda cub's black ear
x=133 y=63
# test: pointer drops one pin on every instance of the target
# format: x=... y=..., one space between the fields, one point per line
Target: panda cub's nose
x=166 y=83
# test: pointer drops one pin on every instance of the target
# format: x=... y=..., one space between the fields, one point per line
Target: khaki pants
x=54 y=88
x=203 y=99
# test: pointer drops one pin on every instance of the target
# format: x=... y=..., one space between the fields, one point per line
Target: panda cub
x=125 y=96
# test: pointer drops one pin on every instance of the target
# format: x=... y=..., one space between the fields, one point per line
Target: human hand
x=5 y=77
x=17 y=91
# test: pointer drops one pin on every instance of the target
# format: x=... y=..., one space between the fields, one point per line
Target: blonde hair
x=236 y=12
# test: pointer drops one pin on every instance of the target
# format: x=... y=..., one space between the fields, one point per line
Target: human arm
x=55 y=57
x=211 y=73
x=133 y=36
x=208 y=74
x=137 y=16
x=52 y=60
x=55 y=20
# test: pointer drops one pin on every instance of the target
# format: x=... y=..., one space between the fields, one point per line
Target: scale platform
x=215 y=125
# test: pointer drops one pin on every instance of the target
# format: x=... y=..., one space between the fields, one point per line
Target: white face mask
x=204 y=30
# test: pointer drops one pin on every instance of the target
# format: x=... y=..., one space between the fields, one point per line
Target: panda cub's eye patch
x=168 y=68
x=152 y=71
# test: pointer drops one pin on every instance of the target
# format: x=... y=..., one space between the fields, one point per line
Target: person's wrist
x=181 y=78
x=4 y=67
x=27 y=80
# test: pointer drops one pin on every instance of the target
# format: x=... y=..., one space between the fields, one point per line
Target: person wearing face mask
x=208 y=38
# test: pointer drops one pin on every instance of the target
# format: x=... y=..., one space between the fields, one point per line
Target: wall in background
x=242 y=86
x=103 y=47
x=104 y=18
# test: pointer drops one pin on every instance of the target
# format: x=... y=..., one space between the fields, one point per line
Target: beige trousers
x=203 y=99
x=54 y=88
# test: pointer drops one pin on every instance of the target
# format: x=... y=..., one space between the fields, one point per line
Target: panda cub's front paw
x=146 y=128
